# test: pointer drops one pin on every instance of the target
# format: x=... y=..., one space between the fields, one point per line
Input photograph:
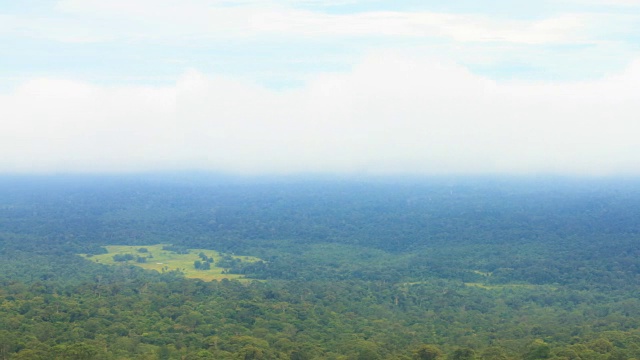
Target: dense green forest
x=351 y=268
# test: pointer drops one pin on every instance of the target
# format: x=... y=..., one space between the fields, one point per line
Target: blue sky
x=349 y=86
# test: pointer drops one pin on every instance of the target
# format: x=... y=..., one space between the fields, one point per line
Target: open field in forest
x=163 y=260
x=491 y=286
x=507 y=286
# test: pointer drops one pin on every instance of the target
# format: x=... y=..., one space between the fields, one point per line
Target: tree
x=368 y=354
x=538 y=349
x=30 y=354
x=601 y=346
x=493 y=353
x=251 y=352
x=163 y=352
x=8 y=343
x=77 y=351
x=463 y=354
x=200 y=355
x=427 y=352
x=299 y=355
x=123 y=257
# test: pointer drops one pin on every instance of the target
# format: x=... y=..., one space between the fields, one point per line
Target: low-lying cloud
x=390 y=114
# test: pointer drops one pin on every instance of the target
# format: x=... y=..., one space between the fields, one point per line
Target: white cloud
x=462 y=28
x=281 y=37
x=608 y=3
x=51 y=124
x=391 y=113
x=169 y=20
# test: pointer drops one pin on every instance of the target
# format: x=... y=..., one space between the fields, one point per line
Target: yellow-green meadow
x=157 y=257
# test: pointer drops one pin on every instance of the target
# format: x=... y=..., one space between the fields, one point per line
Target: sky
x=307 y=86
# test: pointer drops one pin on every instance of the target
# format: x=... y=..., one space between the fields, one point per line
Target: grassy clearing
x=508 y=286
x=165 y=260
x=482 y=273
x=488 y=286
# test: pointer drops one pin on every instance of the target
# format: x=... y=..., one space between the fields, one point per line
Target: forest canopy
x=385 y=268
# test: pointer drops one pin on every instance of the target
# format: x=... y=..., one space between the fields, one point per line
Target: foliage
x=427 y=352
x=123 y=257
x=460 y=269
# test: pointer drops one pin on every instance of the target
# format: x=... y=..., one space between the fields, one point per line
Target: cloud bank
x=146 y=21
x=390 y=114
